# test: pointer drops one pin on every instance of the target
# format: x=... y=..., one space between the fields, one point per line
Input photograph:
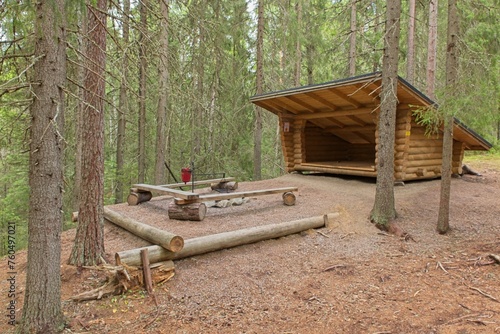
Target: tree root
x=394 y=229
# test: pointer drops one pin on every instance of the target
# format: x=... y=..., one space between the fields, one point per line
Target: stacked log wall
x=402 y=143
x=299 y=151
x=457 y=157
x=287 y=144
x=424 y=154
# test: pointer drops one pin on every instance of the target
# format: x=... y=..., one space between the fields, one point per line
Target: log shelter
x=332 y=128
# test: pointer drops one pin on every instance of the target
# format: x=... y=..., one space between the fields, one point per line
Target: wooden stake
x=148 y=283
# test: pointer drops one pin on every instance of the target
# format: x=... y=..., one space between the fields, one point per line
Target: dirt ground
x=348 y=278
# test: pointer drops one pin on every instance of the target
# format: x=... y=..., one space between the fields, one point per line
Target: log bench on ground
x=144 y=192
x=224 y=240
x=195 y=209
x=190 y=206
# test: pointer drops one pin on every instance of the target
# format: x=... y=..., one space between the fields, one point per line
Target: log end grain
x=135 y=198
x=289 y=198
x=176 y=244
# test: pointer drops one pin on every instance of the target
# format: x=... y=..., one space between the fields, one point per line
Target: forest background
x=178 y=82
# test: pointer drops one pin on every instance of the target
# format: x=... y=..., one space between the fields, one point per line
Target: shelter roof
x=350 y=105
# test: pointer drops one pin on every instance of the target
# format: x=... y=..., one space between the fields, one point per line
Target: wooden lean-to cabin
x=332 y=128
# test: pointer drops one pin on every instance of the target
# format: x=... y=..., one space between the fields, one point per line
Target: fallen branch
x=483 y=293
x=439 y=265
x=334 y=267
x=323 y=234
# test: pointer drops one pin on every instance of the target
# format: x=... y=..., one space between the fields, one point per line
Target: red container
x=186 y=174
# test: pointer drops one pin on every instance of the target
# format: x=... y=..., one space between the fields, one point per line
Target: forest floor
x=349 y=278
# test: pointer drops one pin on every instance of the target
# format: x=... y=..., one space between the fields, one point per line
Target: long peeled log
x=214 y=242
x=165 y=240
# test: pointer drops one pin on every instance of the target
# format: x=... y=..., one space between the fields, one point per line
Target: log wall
x=287 y=143
x=402 y=144
x=424 y=154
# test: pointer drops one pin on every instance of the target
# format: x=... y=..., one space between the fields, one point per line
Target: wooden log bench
x=190 y=206
x=195 y=209
x=140 y=193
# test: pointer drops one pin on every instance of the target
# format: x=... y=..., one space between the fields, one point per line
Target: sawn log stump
x=194 y=211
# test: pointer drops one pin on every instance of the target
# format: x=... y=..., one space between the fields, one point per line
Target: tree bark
x=88 y=248
x=167 y=240
x=451 y=83
x=42 y=301
x=384 y=208
x=298 y=46
x=257 y=148
x=410 y=58
x=161 y=113
x=432 y=49
x=352 y=40
x=141 y=168
x=122 y=107
x=214 y=242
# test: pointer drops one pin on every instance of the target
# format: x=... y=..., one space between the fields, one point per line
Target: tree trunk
x=298 y=47
x=451 y=83
x=42 y=301
x=214 y=242
x=432 y=49
x=410 y=59
x=257 y=149
x=352 y=40
x=122 y=106
x=79 y=116
x=142 y=92
x=161 y=113
x=88 y=248
x=384 y=208
x=149 y=233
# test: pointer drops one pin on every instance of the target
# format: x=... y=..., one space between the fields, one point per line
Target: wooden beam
x=338 y=113
x=166 y=191
x=345 y=97
x=368 y=127
x=218 y=197
x=301 y=103
x=323 y=101
x=197 y=183
x=356 y=120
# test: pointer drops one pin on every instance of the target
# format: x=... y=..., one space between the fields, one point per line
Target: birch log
x=214 y=242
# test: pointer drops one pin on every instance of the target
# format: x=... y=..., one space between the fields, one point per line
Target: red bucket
x=186 y=174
